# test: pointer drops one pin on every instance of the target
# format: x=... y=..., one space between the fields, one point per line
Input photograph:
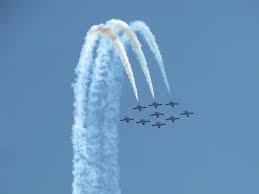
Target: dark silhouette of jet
x=172 y=118
x=155 y=104
x=158 y=124
x=127 y=119
x=139 y=107
x=157 y=114
x=172 y=104
x=187 y=113
x=143 y=121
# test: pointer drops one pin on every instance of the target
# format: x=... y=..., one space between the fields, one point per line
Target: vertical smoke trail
x=91 y=82
x=90 y=176
x=132 y=39
x=97 y=100
x=100 y=123
x=81 y=154
x=110 y=167
x=100 y=174
x=151 y=41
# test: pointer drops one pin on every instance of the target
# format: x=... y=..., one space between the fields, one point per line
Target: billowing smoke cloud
x=139 y=26
x=132 y=39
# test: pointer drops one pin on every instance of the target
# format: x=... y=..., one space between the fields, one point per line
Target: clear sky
x=210 y=50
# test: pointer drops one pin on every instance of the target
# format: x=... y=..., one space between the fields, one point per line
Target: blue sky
x=210 y=50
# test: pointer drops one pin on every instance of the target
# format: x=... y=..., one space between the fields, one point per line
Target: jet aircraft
x=139 y=107
x=127 y=119
x=158 y=124
x=155 y=104
x=172 y=104
x=187 y=113
x=157 y=114
x=143 y=121
x=172 y=118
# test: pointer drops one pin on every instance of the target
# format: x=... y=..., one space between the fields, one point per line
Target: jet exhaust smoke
x=102 y=114
x=132 y=39
x=139 y=26
x=110 y=165
x=97 y=90
x=86 y=135
x=122 y=54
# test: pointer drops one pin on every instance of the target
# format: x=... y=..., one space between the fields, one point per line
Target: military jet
x=155 y=104
x=139 y=107
x=158 y=124
x=172 y=118
x=187 y=113
x=143 y=121
x=127 y=119
x=172 y=104
x=157 y=114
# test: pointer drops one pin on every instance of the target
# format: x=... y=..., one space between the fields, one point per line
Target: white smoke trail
x=136 y=47
x=102 y=114
x=81 y=149
x=86 y=137
x=122 y=54
x=91 y=182
x=110 y=165
x=97 y=98
x=139 y=26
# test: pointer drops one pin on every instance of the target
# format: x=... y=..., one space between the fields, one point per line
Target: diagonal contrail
x=139 y=26
x=132 y=39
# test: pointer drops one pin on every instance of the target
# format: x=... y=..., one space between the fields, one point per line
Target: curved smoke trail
x=97 y=101
x=122 y=54
x=139 y=26
x=136 y=47
x=85 y=139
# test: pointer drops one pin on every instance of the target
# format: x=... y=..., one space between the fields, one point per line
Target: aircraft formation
x=156 y=114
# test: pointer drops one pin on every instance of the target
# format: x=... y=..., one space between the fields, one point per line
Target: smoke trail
x=136 y=47
x=102 y=114
x=122 y=54
x=110 y=166
x=139 y=26
x=86 y=136
x=80 y=134
x=97 y=98
x=91 y=178
x=97 y=175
